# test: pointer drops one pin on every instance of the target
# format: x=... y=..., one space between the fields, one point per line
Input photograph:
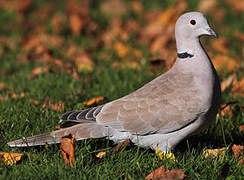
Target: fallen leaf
x=222 y=62
x=10 y=158
x=58 y=106
x=220 y=45
x=75 y=23
x=121 y=49
x=33 y=101
x=239 y=35
x=37 y=71
x=226 y=109
x=238 y=88
x=163 y=174
x=164 y=156
x=113 y=8
x=212 y=153
x=237 y=5
x=238 y=151
x=232 y=79
x=137 y=7
x=3 y=86
x=206 y=5
x=101 y=154
x=93 y=101
x=241 y=127
x=57 y=21
x=83 y=62
x=68 y=150
x=17 y=5
x=121 y=146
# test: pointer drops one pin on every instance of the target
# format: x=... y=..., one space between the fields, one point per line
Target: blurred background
x=42 y=40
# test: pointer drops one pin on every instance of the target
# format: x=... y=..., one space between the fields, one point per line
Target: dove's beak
x=211 y=32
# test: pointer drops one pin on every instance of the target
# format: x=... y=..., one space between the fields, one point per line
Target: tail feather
x=41 y=139
x=80 y=131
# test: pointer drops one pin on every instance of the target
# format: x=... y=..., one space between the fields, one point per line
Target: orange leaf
x=207 y=5
x=121 y=49
x=75 y=23
x=37 y=71
x=59 y=106
x=101 y=154
x=3 y=86
x=222 y=62
x=220 y=45
x=238 y=88
x=241 y=127
x=121 y=146
x=227 y=109
x=113 y=8
x=83 y=62
x=93 y=101
x=232 y=79
x=163 y=174
x=10 y=158
x=211 y=153
x=33 y=101
x=68 y=150
x=238 y=151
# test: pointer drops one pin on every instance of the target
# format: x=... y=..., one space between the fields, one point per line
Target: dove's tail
x=80 y=131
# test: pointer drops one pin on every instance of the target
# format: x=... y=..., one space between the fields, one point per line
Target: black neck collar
x=184 y=55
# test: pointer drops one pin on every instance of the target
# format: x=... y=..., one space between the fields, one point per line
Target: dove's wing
x=166 y=104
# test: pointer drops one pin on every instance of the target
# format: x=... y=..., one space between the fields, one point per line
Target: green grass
x=19 y=118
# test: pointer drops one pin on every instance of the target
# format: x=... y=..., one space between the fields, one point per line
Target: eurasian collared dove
x=175 y=105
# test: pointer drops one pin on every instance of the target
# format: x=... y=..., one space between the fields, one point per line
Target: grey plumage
x=177 y=104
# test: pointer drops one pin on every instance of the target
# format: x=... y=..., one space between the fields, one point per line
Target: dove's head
x=191 y=25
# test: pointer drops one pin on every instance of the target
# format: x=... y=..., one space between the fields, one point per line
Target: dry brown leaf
x=33 y=101
x=93 y=101
x=137 y=7
x=237 y=5
x=45 y=39
x=241 y=127
x=10 y=158
x=121 y=49
x=68 y=150
x=222 y=62
x=239 y=35
x=4 y=98
x=75 y=23
x=232 y=79
x=57 y=21
x=58 y=106
x=207 y=5
x=83 y=62
x=3 y=86
x=101 y=154
x=212 y=153
x=163 y=174
x=160 y=42
x=121 y=146
x=17 y=5
x=238 y=88
x=220 y=45
x=113 y=8
x=226 y=109
x=238 y=151
x=37 y=71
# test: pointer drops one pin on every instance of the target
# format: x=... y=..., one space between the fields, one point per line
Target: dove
x=179 y=103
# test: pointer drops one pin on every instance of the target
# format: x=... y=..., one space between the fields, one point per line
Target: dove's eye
x=193 y=22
